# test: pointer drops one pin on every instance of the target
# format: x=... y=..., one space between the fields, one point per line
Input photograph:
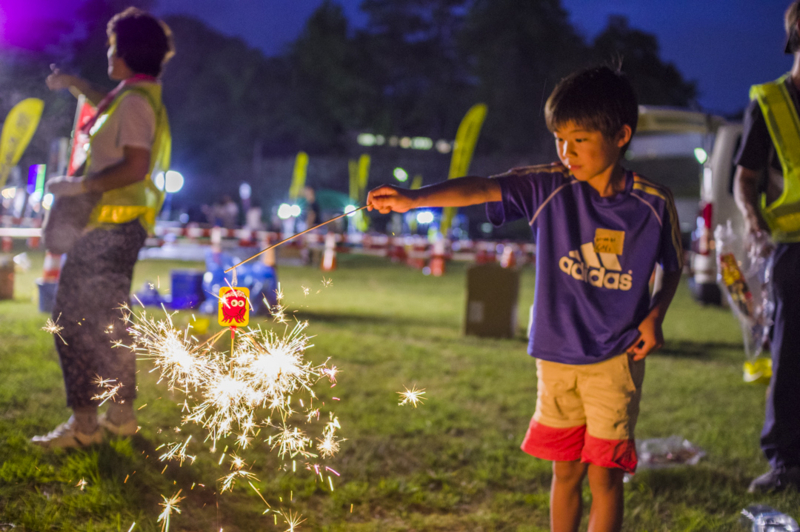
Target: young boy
x=599 y=232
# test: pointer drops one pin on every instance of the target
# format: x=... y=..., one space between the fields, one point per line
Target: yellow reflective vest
x=783 y=123
x=141 y=200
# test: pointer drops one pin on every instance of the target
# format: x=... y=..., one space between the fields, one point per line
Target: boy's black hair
x=142 y=41
x=597 y=98
x=790 y=23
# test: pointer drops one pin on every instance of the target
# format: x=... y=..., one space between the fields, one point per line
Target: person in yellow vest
x=129 y=145
x=767 y=191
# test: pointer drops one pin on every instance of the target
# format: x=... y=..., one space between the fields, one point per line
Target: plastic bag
x=761 y=518
x=658 y=453
x=745 y=278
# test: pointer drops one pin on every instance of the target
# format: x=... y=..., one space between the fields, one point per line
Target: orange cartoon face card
x=234 y=307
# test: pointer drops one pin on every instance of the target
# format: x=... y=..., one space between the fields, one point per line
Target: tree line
x=413 y=69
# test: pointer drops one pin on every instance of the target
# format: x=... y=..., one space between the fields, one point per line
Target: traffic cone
x=329 y=255
x=268 y=258
x=216 y=239
x=34 y=241
x=509 y=257
x=52 y=267
x=437 y=263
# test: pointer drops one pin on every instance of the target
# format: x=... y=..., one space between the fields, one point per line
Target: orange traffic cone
x=52 y=267
x=509 y=257
x=437 y=263
x=329 y=255
x=268 y=258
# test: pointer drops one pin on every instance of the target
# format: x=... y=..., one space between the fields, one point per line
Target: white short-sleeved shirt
x=133 y=124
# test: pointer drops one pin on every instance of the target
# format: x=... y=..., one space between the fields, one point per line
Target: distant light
x=296 y=210
x=393 y=141
x=158 y=181
x=9 y=192
x=245 y=191
x=47 y=201
x=400 y=174
x=442 y=146
x=424 y=217
x=183 y=218
x=35 y=197
x=350 y=208
x=366 y=139
x=285 y=211
x=173 y=182
x=701 y=155
x=405 y=142
x=486 y=228
x=422 y=143
x=380 y=140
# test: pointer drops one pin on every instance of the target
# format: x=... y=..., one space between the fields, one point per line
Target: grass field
x=452 y=464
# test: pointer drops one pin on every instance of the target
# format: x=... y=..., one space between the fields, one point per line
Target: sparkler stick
x=273 y=246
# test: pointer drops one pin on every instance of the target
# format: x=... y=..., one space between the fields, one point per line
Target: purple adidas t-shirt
x=594 y=258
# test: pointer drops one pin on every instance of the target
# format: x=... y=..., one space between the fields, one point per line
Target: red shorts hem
x=613 y=454
x=556 y=444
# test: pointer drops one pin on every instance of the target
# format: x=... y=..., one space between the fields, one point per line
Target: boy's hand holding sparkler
x=389 y=198
x=459 y=192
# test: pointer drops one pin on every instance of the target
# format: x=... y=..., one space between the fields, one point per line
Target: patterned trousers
x=95 y=282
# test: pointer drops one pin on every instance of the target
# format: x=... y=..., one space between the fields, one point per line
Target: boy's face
x=587 y=153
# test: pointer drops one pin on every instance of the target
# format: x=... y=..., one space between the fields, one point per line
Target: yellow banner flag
x=299 y=175
x=20 y=124
x=363 y=176
x=466 y=138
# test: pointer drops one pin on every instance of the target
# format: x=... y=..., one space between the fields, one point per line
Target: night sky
x=724 y=45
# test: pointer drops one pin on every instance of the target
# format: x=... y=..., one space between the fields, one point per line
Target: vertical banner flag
x=299 y=175
x=80 y=138
x=466 y=138
x=359 y=176
x=362 y=222
x=20 y=124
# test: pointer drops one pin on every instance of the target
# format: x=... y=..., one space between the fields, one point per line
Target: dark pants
x=95 y=282
x=780 y=438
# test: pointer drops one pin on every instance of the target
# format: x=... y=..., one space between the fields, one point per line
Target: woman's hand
x=57 y=80
x=66 y=186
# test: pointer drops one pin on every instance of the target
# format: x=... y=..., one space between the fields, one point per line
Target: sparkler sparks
x=110 y=392
x=54 y=328
x=257 y=390
x=170 y=505
x=292 y=520
x=412 y=396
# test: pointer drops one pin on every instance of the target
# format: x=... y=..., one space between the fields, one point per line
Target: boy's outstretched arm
x=651 y=338
x=452 y=193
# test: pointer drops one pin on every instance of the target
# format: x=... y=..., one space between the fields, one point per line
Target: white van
x=671 y=140
x=717 y=207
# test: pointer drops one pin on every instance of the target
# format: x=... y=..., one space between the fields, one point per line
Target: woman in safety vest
x=129 y=144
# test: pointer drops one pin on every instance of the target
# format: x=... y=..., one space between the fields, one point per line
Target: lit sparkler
x=412 y=396
x=170 y=505
x=54 y=328
x=110 y=387
x=237 y=393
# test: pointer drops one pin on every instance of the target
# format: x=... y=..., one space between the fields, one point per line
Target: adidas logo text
x=590 y=270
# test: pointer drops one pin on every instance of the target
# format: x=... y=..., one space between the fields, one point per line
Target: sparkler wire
x=273 y=246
